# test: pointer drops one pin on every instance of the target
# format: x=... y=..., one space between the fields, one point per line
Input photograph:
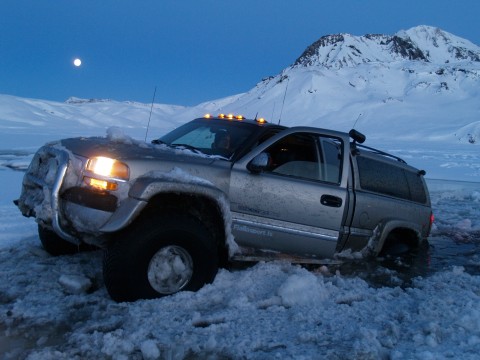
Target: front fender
x=143 y=189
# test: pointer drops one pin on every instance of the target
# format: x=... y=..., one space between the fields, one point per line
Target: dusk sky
x=191 y=51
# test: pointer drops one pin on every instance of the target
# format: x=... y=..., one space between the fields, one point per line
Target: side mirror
x=259 y=163
x=357 y=136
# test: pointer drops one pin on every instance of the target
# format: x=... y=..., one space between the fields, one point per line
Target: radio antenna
x=283 y=103
x=358 y=117
x=273 y=111
x=150 y=116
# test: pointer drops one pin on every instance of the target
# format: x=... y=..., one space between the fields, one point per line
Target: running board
x=293 y=259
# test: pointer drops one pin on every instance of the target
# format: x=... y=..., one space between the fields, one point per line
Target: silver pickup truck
x=170 y=213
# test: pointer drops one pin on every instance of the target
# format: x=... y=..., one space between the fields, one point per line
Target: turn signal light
x=100 y=184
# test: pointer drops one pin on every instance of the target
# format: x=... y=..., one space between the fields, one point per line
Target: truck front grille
x=42 y=182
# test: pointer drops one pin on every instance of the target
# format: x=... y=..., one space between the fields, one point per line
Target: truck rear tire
x=159 y=256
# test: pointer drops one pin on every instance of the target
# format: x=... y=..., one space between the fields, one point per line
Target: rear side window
x=387 y=179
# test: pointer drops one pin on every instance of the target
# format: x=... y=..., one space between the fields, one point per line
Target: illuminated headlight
x=104 y=166
x=107 y=170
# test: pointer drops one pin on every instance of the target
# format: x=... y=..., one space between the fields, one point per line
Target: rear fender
x=384 y=229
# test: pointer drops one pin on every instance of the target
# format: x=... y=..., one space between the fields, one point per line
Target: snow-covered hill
x=46 y=120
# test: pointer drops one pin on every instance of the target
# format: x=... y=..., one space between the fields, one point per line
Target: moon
x=77 y=62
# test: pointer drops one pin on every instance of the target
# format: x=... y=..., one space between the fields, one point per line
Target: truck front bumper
x=53 y=192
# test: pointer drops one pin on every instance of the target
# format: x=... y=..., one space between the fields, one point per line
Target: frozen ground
x=421 y=308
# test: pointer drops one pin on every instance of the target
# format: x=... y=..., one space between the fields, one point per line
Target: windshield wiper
x=158 y=142
x=188 y=147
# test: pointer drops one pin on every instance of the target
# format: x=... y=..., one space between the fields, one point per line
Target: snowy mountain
x=422 y=43
x=419 y=84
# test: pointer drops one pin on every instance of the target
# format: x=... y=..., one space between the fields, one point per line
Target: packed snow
x=422 y=307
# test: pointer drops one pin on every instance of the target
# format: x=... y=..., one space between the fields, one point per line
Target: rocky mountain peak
x=421 y=43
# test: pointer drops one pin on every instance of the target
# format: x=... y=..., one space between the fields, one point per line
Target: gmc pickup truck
x=170 y=213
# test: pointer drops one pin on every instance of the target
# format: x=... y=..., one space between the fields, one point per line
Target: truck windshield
x=210 y=136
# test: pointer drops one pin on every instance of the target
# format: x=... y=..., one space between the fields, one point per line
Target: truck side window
x=307 y=156
x=383 y=178
x=387 y=179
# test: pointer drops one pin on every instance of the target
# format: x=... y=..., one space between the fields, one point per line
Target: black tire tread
x=124 y=270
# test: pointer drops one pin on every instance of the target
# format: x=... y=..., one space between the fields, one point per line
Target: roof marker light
x=207 y=116
x=221 y=116
x=261 y=121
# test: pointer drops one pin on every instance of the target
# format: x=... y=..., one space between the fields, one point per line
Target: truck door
x=290 y=195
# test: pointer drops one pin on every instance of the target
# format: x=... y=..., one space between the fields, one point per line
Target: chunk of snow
x=149 y=350
x=116 y=134
x=304 y=289
x=75 y=284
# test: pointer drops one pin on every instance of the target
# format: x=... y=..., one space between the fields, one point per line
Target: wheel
x=156 y=257
x=54 y=244
x=396 y=244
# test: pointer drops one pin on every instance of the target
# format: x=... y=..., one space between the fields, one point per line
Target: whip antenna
x=273 y=111
x=283 y=103
x=356 y=120
x=150 y=116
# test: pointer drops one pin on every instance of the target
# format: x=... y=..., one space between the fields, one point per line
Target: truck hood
x=149 y=160
x=130 y=149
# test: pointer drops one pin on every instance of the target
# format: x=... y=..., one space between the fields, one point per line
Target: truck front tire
x=160 y=256
x=54 y=244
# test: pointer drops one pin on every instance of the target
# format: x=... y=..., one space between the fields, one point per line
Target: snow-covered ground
x=57 y=307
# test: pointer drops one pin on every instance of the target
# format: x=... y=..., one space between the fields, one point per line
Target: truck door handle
x=330 y=200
